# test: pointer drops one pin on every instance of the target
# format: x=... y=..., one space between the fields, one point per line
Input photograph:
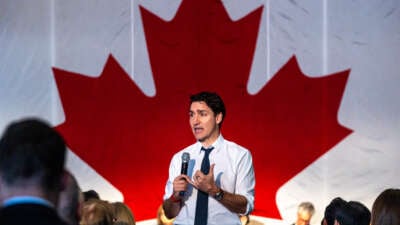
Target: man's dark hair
x=346 y=215
x=330 y=210
x=32 y=150
x=362 y=213
x=213 y=100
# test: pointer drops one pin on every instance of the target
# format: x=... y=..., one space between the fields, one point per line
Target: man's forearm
x=172 y=207
x=235 y=203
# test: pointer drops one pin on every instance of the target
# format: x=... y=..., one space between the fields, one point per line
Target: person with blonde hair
x=162 y=219
x=97 y=212
x=122 y=214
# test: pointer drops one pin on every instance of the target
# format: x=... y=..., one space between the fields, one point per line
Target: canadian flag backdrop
x=311 y=88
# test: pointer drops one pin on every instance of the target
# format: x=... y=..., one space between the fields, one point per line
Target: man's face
x=303 y=218
x=204 y=123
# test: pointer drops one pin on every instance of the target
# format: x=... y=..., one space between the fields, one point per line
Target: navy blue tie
x=202 y=198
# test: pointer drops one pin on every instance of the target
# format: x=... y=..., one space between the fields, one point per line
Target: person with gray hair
x=305 y=211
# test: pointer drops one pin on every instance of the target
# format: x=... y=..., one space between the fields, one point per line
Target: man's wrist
x=174 y=199
x=214 y=190
x=219 y=195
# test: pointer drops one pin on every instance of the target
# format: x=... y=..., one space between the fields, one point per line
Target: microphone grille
x=185 y=157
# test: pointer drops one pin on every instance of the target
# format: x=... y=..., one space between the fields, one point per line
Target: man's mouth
x=197 y=130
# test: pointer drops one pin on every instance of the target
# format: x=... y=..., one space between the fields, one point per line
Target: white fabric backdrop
x=326 y=36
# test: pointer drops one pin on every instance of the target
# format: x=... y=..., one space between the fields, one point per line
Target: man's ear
x=218 y=118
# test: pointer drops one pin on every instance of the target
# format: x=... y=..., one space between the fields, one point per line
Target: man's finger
x=212 y=169
x=185 y=177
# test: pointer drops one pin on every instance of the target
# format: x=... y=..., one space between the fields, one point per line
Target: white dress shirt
x=233 y=172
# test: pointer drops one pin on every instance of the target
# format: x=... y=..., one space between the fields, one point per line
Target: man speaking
x=219 y=184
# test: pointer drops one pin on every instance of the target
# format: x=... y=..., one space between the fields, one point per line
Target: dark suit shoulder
x=32 y=214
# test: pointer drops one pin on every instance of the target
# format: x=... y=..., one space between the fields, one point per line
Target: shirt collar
x=26 y=200
x=217 y=144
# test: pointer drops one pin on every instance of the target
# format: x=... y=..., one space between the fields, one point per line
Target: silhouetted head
x=363 y=215
x=32 y=154
x=386 y=208
x=305 y=211
x=330 y=210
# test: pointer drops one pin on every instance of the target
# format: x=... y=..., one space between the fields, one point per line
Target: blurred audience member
x=386 y=208
x=244 y=219
x=252 y=221
x=305 y=211
x=97 y=212
x=345 y=215
x=341 y=212
x=162 y=219
x=91 y=194
x=120 y=223
x=32 y=156
x=70 y=201
x=362 y=213
x=330 y=211
x=123 y=214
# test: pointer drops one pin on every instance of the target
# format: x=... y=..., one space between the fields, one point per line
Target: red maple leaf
x=130 y=138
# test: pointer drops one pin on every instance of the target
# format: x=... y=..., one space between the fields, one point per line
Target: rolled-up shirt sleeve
x=245 y=182
x=173 y=172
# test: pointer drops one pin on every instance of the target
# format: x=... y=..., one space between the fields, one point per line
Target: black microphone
x=184 y=167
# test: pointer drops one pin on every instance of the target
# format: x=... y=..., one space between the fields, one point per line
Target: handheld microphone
x=184 y=167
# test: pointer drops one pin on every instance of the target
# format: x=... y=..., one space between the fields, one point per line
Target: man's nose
x=195 y=119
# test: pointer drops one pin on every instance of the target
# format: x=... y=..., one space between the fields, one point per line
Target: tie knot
x=207 y=150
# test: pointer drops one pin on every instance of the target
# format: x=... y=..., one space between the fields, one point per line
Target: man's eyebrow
x=198 y=110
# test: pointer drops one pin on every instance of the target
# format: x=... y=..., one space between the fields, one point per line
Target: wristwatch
x=219 y=195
